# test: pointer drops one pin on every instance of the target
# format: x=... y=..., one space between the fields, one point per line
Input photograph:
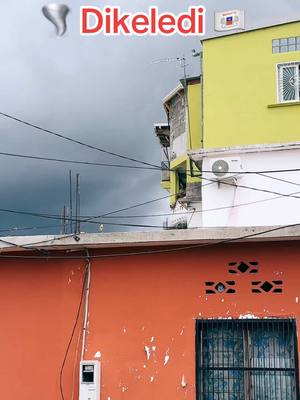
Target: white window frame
x=279 y=70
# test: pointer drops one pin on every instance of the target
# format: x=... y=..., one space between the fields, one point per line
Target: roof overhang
x=163 y=238
x=172 y=94
x=198 y=155
x=191 y=80
x=162 y=132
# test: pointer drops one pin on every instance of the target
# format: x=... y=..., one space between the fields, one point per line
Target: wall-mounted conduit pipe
x=86 y=303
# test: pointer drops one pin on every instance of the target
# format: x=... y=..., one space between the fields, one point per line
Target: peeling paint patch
x=97 y=354
x=147 y=351
x=153 y=348
x=167 y=358
x=124 y=330
x=297 y=299
x=183 y=382
x=247 y=316
x=152 y=379
x=152 y=339
x=182 y=331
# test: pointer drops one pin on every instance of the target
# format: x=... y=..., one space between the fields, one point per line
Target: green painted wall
x=240 y=83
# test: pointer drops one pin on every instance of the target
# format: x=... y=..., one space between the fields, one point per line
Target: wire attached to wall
x=147 y=252
x=83 y=290
x=86 y=304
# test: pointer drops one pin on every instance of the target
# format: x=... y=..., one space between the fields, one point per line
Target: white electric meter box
x=89 y=380
x=229 y=20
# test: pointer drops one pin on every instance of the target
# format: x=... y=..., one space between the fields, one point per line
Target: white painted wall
x=179 y=145
x=270 y=209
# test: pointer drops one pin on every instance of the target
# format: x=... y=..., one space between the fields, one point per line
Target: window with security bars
x=289 y=82
x=247 y=359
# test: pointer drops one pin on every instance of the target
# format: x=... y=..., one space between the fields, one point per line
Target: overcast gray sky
x=102 y=90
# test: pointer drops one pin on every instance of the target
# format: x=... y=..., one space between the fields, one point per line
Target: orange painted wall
x=135 y=302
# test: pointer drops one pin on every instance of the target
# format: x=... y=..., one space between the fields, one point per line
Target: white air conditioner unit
x=224 y=169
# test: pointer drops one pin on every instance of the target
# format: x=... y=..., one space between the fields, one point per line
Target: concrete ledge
x=200 y=154
x=287 y=104
x=149 y=239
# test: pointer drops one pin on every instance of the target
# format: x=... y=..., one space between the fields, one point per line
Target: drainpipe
x=202 y=97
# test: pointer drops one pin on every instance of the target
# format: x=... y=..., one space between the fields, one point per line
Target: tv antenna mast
x=181 y=60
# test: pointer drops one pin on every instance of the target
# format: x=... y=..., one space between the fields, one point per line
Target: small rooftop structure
x=162 y=132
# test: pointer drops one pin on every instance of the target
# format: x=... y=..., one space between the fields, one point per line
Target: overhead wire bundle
x=145 y=166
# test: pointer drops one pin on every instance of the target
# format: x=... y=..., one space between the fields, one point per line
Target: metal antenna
x=183 y=65
x=77 y=197
x=181 y=60
x=64 y=220
x=165 y=60
x=71 y=201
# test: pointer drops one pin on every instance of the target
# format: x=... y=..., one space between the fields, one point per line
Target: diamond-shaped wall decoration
x=267 y=287
x=243 y=267
x=219 y=287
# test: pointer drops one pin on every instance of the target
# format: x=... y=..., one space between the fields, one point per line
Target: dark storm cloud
x=105 y=91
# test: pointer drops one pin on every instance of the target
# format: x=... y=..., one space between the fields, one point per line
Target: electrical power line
x=56 y=216
x=199 y=211
x=151 y=165
x=278 y=179
x=150 y=168
x=148 y=252
x=91 y=220
x=223 y=182
x=67 y=161
x=124 y=157
x=28 y=228
x=16 y=229
x=64 y=137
